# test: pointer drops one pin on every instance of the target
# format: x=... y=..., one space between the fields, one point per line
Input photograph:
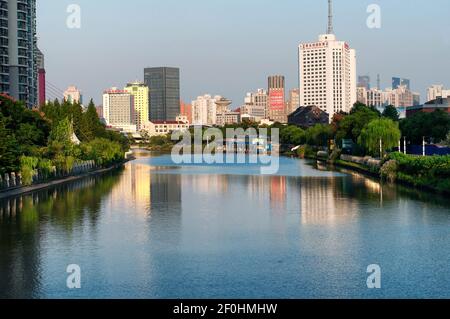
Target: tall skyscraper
x=164 y=84
x=140 y=92
x=277 y=98
x=18 y=50
x=327 y=71
x=41 y=86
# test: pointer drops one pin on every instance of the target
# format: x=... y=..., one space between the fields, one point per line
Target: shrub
x=102 y=151
x=430 y=171
x=45 y=166
x=28 y=169
x=389 y=171
x=64 y=163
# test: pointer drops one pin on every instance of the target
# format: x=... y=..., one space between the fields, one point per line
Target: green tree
x=62 y=133
x=382 y=129
x=9 y=149
x=102 y=151
x=90 y=126
x=292 y=135
x=391 y=113
x=319 y=135
x=351 y=125
x=433 y=126
x=22 y=132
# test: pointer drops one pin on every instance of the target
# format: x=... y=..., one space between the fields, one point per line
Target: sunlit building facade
x=140 y=93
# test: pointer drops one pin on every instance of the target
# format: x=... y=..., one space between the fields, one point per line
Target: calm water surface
x=158 y=230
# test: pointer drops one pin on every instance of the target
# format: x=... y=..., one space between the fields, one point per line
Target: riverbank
x=32 y=188
x=419 y=181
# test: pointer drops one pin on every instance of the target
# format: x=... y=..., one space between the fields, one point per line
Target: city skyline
x=238 y=51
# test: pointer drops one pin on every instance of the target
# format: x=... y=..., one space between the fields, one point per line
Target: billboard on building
x=276 y=100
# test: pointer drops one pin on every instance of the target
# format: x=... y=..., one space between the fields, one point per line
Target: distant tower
x=330 y=17
x=378 y=82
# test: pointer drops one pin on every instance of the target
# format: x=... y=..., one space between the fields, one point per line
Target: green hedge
x=430 y=171
x=437 y=166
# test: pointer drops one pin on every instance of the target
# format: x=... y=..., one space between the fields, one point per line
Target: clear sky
x=229 y=47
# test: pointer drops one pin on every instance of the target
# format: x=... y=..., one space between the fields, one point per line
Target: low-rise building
x=155 y=128
x=308 y=116
x=228 y=118
x=431 y=106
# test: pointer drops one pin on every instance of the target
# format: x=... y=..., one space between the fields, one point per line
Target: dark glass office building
x=164 y=84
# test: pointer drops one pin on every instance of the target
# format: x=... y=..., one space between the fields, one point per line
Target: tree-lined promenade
x=52 y=140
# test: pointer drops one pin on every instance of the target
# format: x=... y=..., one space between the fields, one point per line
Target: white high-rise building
x=328 y=74
x=436 y=91
x=118 y=109
x=204 y=110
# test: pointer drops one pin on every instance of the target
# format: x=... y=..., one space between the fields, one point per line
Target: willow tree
x=380 y=135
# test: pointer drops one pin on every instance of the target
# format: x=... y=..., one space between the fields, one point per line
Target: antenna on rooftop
x=330 y=17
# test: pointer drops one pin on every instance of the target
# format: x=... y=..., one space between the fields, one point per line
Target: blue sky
x=229 y=47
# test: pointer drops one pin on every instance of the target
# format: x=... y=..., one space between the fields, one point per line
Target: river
x=158 y=230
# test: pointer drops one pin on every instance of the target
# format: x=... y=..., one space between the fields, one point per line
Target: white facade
x=435 y=91
x=327 y=75
x=166 y=127
x=118 y=109
x=204 y=110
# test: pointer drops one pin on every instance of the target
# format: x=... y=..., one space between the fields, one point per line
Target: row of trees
x=44 y=139
x=366 y=127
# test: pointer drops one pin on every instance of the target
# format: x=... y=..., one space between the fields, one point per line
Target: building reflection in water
x=25 y=219
x=278 y=193
x=322 y=201
x=165 y=208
